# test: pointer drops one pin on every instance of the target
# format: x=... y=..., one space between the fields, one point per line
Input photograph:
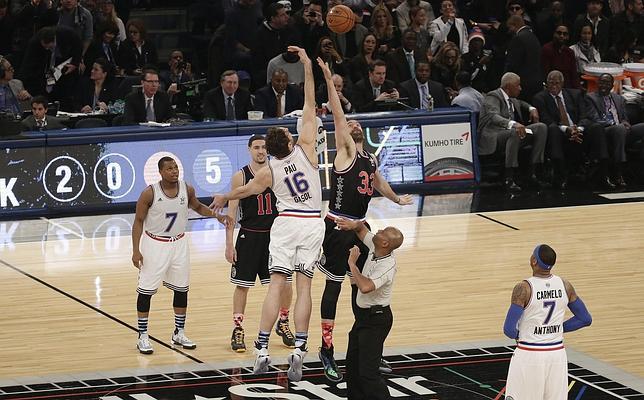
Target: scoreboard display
x=98 y=172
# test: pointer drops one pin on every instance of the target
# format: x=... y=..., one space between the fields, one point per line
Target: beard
x=357 y=135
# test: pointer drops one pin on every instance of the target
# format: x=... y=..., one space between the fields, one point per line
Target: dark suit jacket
x=130 y=58
x=266 y=101
x=95 y=51
x=214 y=105
x=363 y=98
x=29 y=123
x=135 y=108
x=409 y=89
x=398 y=67
x=596 y=109
x=524 y=59
x=85 y=94
x=574 y=101
x=495 y=116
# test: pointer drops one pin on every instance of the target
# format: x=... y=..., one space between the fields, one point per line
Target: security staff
x=373 y=317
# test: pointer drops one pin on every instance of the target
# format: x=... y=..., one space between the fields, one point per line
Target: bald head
x=515 y=22
x=388 y=239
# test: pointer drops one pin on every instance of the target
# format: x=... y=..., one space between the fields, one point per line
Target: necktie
x=611 y=111
x=423 y=97
x=230 y=111
x=376 y=92
x=511 y=108
x=278 y=103
x=40 y=123
x=412 y=64
x=149 y=112
x=563 y=115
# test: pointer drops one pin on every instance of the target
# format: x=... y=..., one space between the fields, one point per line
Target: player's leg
x=156 y=259
x=282 y=327
x=556 y=387
x=525 y=376
x=177 y=279
x=240 y=295
x=270 y=310
x=243 y=274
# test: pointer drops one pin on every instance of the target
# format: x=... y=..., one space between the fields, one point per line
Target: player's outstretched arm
x=142 y=206
x=383 y=187
x=233 y=205
x=352 y=225
x=520 y=297
x=202 y=209
x=344 y=144
x=364 y=284
x=581 y=317
x=308 y=135
x=262 y=180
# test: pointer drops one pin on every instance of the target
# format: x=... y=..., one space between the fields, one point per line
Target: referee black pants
x=366 y=341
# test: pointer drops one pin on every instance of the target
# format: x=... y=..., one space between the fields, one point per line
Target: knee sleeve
x=143 y=303
x=329 y=302
x=180 y=299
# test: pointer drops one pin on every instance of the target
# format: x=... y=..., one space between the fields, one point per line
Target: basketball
x=340 y=19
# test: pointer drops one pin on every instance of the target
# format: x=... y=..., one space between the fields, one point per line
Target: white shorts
x=538 y=375
x=164 y=261
x=295 y=245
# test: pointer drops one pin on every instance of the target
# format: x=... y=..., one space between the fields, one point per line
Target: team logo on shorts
x=322 y=260
x=270 y=260
x=509 y=398
x=233 y=272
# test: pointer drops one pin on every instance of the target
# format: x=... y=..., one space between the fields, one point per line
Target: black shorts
x=252 y=258
x=334 y=261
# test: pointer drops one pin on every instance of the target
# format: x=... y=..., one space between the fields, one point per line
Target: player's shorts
x=538 y=375
x=295 y=245
x=252 y=258
x=335 y=251
x=165 y=260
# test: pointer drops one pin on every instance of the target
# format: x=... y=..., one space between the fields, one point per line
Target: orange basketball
x=340 y=19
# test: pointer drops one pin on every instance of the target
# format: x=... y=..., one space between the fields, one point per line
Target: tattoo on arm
x=520 y=294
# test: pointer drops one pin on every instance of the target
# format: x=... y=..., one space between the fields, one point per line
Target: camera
x=312 y=14
x=182 y=65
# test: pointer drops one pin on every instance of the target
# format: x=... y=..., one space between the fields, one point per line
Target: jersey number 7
x=173 y=217
x=551 y=305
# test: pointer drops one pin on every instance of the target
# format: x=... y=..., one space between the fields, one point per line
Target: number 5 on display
x=211 y=166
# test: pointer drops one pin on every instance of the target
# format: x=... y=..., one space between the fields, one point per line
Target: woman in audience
x=329 y=54
x=97 y=91
x=359 y=65
x=418 y=22
x=445 y=66
x=107 y=13
x=382 y=26
x=104 y=46
x=136 y=52
x=585 y=51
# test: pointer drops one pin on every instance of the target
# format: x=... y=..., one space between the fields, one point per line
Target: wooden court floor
x=68 y=303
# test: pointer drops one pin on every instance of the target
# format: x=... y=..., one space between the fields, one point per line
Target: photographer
x=180 y=72
x=310 y=25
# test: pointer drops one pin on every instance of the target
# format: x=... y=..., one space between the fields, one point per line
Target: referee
x=373 y=317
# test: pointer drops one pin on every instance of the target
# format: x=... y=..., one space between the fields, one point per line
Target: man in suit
x=278 y=97
x=13 y=96
x=401 y=63
x=376 y=88
x=39 y=120
x=417 y=90
x=524 y=57
x=565 y=112
x=227 y=101
x=503 y=125
x=149 y=104
x=609 y=110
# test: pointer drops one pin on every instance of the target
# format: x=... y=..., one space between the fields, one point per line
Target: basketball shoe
x=144 y=345
x=331 y=369
x=295 y=362
x=237 y=340
x=262 y=361
x=180 y=339
x=284 y=331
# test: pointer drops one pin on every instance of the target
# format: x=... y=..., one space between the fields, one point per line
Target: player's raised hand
x=354 y=253
x=137 y=259
x=345 y=224
x=304 y=58
x=405 y=199
x=218 y=202
x=325 y=69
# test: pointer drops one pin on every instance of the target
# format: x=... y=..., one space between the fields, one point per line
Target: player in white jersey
x=539 y=367
x=298 y=231
x=161 y=254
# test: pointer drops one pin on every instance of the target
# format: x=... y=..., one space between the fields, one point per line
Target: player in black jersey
x=354 y=178
x=249 y=255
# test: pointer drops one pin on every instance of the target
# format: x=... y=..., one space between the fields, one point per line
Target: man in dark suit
x=524 y=57
x=503 y=125
x=401 y=63
x=368 y=92
x=565 y=112
x=39 y=120
x=227 y=101
x=149 y=104
x=609 y=110
x=278 y=91
x=417 y=90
